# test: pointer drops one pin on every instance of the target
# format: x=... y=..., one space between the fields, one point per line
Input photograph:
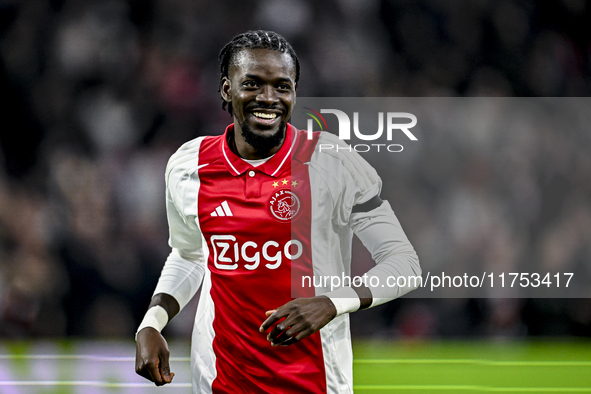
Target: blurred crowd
x=96 y=95
x=494 y=185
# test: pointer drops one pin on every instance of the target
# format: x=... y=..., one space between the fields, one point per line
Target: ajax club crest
x=284 y=205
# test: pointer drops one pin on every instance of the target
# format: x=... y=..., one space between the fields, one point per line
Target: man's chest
x=254 y=221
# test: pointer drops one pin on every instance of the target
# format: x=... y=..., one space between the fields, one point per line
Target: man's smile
x=265 y=116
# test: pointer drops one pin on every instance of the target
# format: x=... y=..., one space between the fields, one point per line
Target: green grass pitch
x=472 y=367
x=542 y=366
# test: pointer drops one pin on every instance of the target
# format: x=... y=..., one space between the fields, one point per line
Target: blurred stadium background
x=97 y=94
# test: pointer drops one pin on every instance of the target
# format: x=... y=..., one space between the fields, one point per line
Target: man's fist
x=303 y=317
x=151 y=357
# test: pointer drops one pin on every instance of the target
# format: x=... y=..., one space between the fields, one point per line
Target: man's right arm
x=183 y=270
x=179 y=281
x=152 y=354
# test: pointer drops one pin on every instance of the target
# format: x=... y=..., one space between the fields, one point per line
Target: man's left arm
x=397 y=265
x=379 y=230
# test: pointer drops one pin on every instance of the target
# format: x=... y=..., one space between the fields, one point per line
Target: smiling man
x=260 y=91
x=251 y=213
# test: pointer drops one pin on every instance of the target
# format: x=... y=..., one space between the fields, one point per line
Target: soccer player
x=254 y=212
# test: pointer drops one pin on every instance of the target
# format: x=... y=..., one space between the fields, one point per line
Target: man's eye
x=249 y=84
x=284 y=86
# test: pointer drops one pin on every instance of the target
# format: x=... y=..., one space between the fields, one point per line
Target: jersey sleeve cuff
x=345 y=300
x=156 y=317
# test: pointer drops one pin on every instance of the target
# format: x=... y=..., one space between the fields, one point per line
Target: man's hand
x=151 y=357
x=303 y=317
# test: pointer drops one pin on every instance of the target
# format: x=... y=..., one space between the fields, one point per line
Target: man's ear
x=226 y=90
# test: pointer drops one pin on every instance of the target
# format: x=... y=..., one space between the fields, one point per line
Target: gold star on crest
x=294 y=183
x=275 y=184
x=285 y=181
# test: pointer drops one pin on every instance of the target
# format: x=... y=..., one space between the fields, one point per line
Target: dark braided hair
x=254 y=39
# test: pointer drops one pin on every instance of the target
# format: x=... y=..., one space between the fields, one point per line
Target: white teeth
x=264 y=115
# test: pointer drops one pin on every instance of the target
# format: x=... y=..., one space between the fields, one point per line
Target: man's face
x=262 y=90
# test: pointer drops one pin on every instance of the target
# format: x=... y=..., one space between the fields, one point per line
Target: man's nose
x=267 y=95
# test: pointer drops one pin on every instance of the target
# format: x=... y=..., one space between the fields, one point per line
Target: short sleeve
x=182 y=188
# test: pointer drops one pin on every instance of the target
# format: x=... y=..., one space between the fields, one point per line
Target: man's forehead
x=248 y=60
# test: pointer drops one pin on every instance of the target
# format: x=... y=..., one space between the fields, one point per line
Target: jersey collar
x=271 y=167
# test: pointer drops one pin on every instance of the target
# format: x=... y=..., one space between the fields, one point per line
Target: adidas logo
x=222 y=210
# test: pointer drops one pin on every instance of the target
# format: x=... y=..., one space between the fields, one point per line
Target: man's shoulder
x=188 y=152
x=339 y=160
x=331 y=144
x=316 y=136
x=319 y=145
x=329 y=148
x=190 y=156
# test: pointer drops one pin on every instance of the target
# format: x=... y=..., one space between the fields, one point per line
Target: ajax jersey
x=247 y=235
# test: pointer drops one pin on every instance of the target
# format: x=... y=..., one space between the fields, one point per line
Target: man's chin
x=265 y=132
x=263 y=140
x=264 y=129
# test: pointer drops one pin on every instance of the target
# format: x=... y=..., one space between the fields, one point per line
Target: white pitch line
x=77 y=357
x=91 y=383
x=88 y=357
x=477 y=362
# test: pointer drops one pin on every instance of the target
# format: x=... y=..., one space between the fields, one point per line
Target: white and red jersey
x=248 y=234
